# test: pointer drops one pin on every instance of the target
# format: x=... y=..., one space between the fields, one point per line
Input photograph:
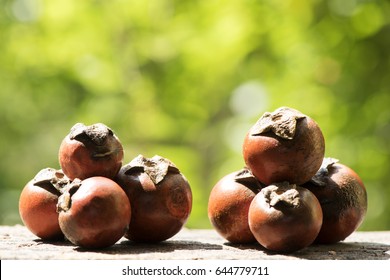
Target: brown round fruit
x=160 y=198
x=89 y=151
x=285 y=218
x=343 y=199
x=228 y=205
x=284 y=145
x=94 y=213
x=37 y=203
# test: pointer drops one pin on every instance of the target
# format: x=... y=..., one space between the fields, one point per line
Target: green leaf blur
x=187 y=79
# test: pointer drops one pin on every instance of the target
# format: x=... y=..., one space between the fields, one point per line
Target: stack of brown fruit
x=288 y=196
x=94 y=201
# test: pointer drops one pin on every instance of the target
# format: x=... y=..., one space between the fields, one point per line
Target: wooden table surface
x=18 y=243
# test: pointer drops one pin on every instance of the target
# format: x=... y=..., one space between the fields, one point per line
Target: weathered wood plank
x=18 y=243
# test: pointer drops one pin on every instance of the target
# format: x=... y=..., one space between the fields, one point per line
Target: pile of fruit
x=93 y=200
x=288 y=196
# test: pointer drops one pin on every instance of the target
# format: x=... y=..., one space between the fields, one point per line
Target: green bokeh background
x=187 y=79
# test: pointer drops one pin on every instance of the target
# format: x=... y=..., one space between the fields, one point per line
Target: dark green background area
x=187 y=79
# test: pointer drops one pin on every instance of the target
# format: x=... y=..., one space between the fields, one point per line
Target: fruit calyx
x=245 y=177
x=282 y=194
x=97 y=136
x=64 y=200
x=51 y=176
x=282 y=122
x=319 y=178
x=97 y=133
x=156 y=167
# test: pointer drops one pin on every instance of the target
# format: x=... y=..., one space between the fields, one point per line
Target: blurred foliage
x=187 y=79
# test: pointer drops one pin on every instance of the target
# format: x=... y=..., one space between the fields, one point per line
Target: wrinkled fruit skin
x=283 y=228
x=81 y=158
x=343 y=199
x=159 y=211
x=275 y=159
x=228 y=208
x=98 y=215
x=37 y=209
